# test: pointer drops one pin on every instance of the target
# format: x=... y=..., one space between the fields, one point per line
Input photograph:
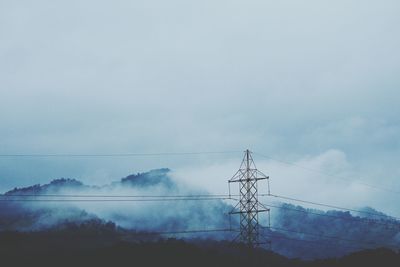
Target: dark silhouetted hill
x=76 y=247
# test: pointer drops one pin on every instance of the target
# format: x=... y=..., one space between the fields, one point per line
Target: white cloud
x=326 y=178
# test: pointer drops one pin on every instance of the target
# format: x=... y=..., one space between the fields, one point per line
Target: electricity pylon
x=248 y=207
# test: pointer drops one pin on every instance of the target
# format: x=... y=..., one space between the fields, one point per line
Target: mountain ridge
x=160 y=216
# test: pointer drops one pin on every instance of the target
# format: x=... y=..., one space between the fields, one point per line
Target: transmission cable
x=329 y=174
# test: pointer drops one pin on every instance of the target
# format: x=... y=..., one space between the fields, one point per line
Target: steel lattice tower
x=248 y=207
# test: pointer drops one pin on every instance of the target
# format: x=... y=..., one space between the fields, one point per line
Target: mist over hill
x=296 y=231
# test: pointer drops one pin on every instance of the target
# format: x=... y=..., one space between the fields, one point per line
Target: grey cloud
x=290 y=79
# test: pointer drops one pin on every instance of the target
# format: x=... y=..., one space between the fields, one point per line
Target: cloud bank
x=314 y=83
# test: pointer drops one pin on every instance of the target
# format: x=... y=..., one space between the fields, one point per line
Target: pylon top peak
x=248 y=169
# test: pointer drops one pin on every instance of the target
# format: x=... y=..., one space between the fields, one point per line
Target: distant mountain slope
x=151 y=178
x=53 y=187
x=158 y=177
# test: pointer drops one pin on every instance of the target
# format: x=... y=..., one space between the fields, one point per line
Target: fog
x=313 y=82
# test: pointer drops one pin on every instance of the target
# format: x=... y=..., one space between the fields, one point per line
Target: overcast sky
x=310 y=82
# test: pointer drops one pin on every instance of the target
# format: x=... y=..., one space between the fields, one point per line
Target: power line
x=314 y=242
x=148 y=198
x=348 y=179
x=120 y=154
x=367 y=244
x=187 y=197
x=186 y=231
x=177 y=199
x=6 y=197
x=322 y=236
x=364 y=220
x=187 y=154
x=111 y=200
x=330 y=206
x=354 y=241
x=275 y=228
x=115 y=196
x=163 y=198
